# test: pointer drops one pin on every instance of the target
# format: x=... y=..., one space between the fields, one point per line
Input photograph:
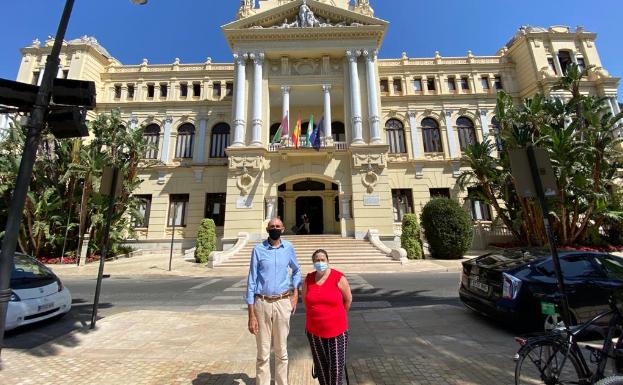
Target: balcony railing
x=287 y=144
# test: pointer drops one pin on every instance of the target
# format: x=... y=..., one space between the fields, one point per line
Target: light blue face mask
x=321 y=266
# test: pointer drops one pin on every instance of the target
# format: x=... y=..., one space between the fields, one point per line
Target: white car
x=37 y=293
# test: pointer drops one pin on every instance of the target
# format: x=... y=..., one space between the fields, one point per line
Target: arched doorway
x=312 y=206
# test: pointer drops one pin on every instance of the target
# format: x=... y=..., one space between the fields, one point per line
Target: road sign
x=520 y=169
x=107 y=180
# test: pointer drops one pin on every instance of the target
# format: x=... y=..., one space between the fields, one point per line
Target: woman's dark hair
x=323 y=251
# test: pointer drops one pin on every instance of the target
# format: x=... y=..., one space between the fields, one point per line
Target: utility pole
x=33 y=136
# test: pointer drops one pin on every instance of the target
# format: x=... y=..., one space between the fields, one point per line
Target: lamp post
x=35 y=125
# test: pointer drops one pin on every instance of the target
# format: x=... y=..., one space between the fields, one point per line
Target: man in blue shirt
x=270 y=301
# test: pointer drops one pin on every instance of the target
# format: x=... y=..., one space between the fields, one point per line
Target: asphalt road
x=121 y=294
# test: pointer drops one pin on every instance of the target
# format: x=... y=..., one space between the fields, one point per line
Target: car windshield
x=573 y=266
x=26 y=268
x=613 y=266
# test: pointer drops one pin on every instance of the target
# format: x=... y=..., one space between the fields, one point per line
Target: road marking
x=209 y=282
x=240 y=289
x=371 y=304
x=222 y=307
x=227 y=298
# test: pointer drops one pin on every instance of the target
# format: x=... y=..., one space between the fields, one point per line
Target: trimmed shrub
x=447 y=228
x=206 y=240
x=410 y=238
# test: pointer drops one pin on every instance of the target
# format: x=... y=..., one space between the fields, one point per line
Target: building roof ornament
x=91 y=41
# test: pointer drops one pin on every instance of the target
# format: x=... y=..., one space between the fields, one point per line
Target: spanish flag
x=296 y=133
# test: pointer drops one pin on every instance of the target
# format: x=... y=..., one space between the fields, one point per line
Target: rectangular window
x=384 y=85
x=581 y=64
x=550 y=62
x=130 y=91
x=117 y=91
x=464 y=84
x=196 y=90
x=439 y=192
x=150 y=90
x=397 y=84
x=35 y=77
x=480 y=210
x=164 y=90
x=178 y=207
x=451 y=84
x=183 y=90
x=402 y=202
x=484 y=81
x=497 y=83
x=417 y=84
x=430 y=84
x=143 y=209
x=216 y=90
x=215 y=208
x=229 y=89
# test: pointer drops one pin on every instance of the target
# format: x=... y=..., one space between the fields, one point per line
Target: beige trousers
x=274 y=324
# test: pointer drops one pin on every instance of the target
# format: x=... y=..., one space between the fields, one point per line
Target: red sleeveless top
x=324 y=312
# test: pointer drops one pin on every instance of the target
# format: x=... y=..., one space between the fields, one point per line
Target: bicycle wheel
x=543 y=363
x=616 y=380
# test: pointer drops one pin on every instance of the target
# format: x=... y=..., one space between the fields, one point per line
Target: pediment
x=303 y=14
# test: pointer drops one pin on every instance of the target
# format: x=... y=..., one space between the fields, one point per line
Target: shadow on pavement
x=223 y=378
x=39 y=338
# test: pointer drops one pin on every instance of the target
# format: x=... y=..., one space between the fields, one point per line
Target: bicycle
x=556 y=357
x=614 y=380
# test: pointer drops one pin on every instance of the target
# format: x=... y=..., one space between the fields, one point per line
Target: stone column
x=166 y=139
x=271 y=208
x=355 y=98
x=415 y=144
x=557 y=64
x=484 y=123
x=452 y=145
x=41 y=71
x=256 y=133
x=373 y=105
x=285 y=111
x=326 y=89
x=201 y=139
x=239 y=104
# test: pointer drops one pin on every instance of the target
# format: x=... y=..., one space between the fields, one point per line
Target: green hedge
x=206 y=240
x=448 y=228
x=410 y=238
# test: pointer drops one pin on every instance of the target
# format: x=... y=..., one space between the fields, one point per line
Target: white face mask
x=321 y=266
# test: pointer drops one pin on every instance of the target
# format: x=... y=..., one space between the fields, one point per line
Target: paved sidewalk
x=411 y=345
x=159 y=265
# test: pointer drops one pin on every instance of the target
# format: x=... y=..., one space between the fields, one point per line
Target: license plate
x=476 y=284
x=45 y=306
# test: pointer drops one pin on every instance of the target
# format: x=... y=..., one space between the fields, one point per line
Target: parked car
x=511 y=285
x=37 y=293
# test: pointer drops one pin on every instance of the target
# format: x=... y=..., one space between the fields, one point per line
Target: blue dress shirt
x=268 y=272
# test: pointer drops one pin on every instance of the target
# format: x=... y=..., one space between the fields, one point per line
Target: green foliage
x=410 y=238
x=206 y=240
x=63 y=203
x=447 y=227
x=580 y=135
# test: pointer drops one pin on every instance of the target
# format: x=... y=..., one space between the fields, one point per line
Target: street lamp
x=35 y=125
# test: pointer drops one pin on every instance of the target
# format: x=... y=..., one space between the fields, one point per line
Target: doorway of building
x=313 y=207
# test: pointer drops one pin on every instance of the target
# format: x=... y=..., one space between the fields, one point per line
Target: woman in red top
x=327 y=299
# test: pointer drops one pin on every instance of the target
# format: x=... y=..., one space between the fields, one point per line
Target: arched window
x=151 y=135
x=499 y=143
x=395 y=136
x=467 y=133
x=431 y=135
x=219 y=140
x=338 y=132
x=185 y=136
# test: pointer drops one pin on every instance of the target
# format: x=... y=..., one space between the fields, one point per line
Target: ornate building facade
x=392 y=130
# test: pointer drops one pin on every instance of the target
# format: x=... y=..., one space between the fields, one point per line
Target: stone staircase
x=342 y=252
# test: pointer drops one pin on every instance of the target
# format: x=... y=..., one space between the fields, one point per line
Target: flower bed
x=66 y=260
x=607 y=249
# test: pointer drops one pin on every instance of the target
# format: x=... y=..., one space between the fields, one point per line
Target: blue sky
x=190 y=29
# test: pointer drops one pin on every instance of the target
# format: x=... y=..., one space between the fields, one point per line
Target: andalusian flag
x=296 y=133
x=310 y=129
x=283 y=130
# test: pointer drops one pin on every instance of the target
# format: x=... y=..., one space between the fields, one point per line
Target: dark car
x=511 y=285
